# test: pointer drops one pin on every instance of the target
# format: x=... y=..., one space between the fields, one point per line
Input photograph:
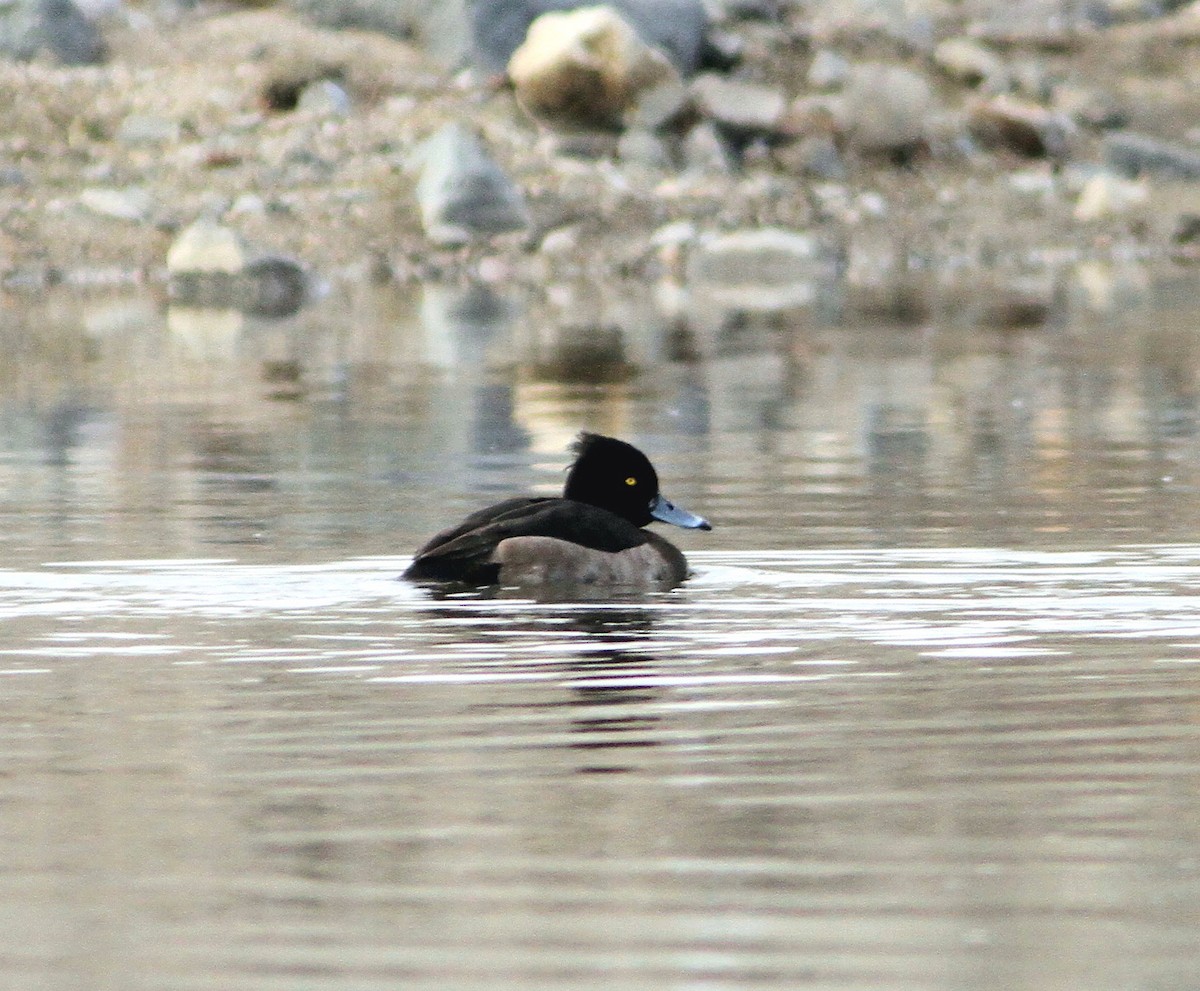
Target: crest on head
x=614 y=475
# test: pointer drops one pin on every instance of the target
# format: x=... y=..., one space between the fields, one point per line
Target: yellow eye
x=631 y=480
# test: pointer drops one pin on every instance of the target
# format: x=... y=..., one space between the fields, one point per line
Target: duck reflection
x=607 y=666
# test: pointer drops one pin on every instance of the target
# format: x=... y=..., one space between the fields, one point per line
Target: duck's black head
x=618 y=477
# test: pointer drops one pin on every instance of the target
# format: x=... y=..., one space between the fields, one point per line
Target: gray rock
x=462 y=193
x=1133 y=154
x=644 y=148
x=828 y=70
x=30 y=27
x=146 y=129
x=886 y=109
x=677 y=27
x=741 y=107
x=816 y=155
x=324 y=97
x=704 y=150
x=440 y=27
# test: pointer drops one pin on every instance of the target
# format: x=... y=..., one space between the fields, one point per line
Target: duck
x=591 y=535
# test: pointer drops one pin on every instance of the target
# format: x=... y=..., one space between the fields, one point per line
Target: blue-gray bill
x=667 y=512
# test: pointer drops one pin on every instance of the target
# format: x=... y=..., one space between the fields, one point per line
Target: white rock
x=134 y=205
x=586 y=68
x=1106 y=195
x=206 y=246
x=886 y=108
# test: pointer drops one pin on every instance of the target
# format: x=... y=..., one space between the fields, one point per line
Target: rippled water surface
x=926 y=716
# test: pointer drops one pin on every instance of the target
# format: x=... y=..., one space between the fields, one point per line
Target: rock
x=704 y=150
x=210 y=268
x=644 y=148
x=745 y=109
x=816 y=155
x=207 y=246
x=462 y=193
x=440 y=27
x=1133 y=154
x=679 y=28
x=272 y=286
x=968 y=62
x=828 y=70
x=134 y=204
x=585 y=68
x=30 y=27
x=886 y=110
x=1185 y=238
x=324 y=98
x=1019 y=126
x=147 y=129
x=1106 y=195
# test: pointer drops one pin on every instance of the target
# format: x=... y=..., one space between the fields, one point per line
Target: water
x=924 y=717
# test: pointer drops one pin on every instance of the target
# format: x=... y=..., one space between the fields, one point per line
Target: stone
x=744 y=108
x=585 y=68
x=133 y=204
x=816 y=155
x=1132 y=155
x=1106 y=195
x=643 y=148
x=704 y=150
x=968 y=61
x=1019 y=126
x=678 y=28
x=828 y=70
x=440 y=27
x=147 y=129
x=886 y=110
x=207 y=246
x=211 y=268
x=324 y=98
x=463 y=194
x=31 y=27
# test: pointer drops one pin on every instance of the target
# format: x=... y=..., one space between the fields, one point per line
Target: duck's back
x=547 y=540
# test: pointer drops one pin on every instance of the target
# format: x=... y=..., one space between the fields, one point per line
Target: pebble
x=1133 y=154
x=746 y=108
x=886 y=109
x=828 y=70
x=1106 y=195
x=133 y=205
x=968 y=61
x=147 y=129
x=1017 y=125
x=324 y=98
